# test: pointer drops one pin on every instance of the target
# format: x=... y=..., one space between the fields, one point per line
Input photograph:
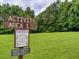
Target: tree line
x=58 y=17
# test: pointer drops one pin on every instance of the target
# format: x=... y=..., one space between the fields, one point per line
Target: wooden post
x=20 y=57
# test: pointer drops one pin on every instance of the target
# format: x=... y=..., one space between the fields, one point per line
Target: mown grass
x=60 y=45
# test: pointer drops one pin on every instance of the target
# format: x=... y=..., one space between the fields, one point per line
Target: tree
x=47 y=19
x=29 y=12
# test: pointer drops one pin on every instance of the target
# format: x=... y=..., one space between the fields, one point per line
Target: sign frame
x=15 y=38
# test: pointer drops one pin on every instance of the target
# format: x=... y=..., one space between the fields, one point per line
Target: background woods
x=58 y=17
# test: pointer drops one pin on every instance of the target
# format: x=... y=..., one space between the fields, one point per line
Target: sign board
x=20 y=51
x=16 y=22
x=21 y=38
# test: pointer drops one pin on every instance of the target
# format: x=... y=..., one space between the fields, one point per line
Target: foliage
x=63 y=16
x=58 y=17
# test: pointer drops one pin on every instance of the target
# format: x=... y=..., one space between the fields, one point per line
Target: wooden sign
x=21 y=38
x=16 y=22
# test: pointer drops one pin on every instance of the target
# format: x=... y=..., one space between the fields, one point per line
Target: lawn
x=60 y=45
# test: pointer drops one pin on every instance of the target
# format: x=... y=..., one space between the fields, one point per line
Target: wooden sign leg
x=20 y=57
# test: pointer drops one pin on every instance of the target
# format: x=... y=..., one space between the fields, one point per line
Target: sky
x=37 y=5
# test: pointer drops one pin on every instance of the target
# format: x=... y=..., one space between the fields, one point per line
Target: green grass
x=60 y=45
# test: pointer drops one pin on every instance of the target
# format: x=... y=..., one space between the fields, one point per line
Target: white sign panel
x=22 y=38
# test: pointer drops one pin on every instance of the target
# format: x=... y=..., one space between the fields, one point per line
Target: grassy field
x=63 y=45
